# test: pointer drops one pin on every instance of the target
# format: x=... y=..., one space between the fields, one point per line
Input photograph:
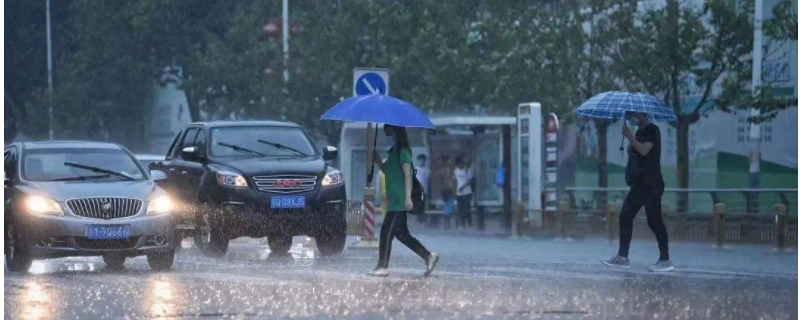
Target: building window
x=741 y=139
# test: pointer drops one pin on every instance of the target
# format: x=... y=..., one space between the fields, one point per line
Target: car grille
x=285 y=183
x=105 y=208
x=106 y=244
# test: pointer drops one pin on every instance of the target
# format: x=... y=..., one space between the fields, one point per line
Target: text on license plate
x=284 y=202
x=117 y=231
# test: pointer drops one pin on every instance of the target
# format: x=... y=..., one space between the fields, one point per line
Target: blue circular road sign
x=370 y=83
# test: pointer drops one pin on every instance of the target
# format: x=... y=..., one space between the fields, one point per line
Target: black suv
x=255 y=179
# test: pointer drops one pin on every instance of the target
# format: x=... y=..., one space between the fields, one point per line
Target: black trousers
x=464 y=210
x=396 y=225
x=648 y=197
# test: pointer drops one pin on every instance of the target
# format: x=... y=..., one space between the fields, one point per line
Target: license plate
x=287 y=202
x=121 y=231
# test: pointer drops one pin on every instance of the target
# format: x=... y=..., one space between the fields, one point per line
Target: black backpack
x=633 y=170
x=417 y=194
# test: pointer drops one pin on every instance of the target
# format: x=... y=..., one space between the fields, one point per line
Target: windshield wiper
x=81 y=178
x=283 y=147
x=99 y=170
x=241 y=149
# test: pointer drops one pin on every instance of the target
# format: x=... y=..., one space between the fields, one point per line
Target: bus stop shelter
x=486 y=142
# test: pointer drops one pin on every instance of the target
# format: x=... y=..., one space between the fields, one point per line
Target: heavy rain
x=377 y=159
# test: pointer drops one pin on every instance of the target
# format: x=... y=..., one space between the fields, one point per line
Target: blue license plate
x=287 y=202
x=117 y=231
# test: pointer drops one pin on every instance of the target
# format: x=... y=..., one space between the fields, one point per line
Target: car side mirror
x=158 y=175
x=330 y=153
x=191 y=153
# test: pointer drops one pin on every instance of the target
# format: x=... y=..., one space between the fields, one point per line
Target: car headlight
x=160 y=205
x=42 y=205
x=231 y=179
x=333 y=178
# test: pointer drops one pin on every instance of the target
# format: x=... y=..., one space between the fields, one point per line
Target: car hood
x=251 y=166
x=62 y=191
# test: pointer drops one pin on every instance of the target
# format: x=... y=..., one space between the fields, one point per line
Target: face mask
x=633 y=121
x=389 y=140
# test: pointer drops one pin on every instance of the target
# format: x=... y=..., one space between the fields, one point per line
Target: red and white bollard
x=369 y=220
x=368 y=240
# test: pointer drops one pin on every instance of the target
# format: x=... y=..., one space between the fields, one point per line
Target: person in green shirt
x=397 y=174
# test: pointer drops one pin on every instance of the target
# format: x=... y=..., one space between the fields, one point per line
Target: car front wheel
x=114 y=261
x=331 y=244
x=161 y=261
x=17 y=259
x=211 y=241
x=279 y=243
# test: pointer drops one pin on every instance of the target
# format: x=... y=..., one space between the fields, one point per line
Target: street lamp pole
x=51 y=133
x=755 y=129
x=285 y=30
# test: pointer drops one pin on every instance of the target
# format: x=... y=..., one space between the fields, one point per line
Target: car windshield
x=78 y=164
x=260 y=142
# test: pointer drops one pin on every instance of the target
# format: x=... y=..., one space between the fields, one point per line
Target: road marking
x=612 y=274
x=739 y=273
x=347 y=276
x=469 y=275
x=553 y=273
x=227 y=278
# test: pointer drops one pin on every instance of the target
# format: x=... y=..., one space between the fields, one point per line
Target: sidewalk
x=492 y=227
x=688 y=257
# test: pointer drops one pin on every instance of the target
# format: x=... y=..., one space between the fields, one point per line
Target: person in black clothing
x=647 y=187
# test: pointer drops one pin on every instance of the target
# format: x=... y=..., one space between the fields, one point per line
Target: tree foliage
x=738 y=92
x=444 y=56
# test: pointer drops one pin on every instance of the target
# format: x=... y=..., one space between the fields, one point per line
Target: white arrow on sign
x=370 y=87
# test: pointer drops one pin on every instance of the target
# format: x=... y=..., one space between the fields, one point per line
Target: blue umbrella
x=612 y=105
x=380 y=109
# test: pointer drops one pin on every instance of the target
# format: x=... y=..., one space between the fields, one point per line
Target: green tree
x=737 y=94
x=681 y=42
x=105 y=74
x=609 y=25
x=26 y=58
x=783 y=25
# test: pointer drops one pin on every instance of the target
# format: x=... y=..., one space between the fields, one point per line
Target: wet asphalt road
x=478 y=277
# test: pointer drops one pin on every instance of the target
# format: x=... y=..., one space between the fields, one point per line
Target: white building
x=169 y=111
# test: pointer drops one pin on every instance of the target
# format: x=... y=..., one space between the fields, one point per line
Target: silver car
x=72 y=198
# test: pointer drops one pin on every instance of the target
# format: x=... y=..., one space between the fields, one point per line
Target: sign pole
x=368 y=241
x=367 y=82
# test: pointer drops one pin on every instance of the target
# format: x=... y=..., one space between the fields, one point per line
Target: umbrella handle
x=622 y=144
x=372 y=165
